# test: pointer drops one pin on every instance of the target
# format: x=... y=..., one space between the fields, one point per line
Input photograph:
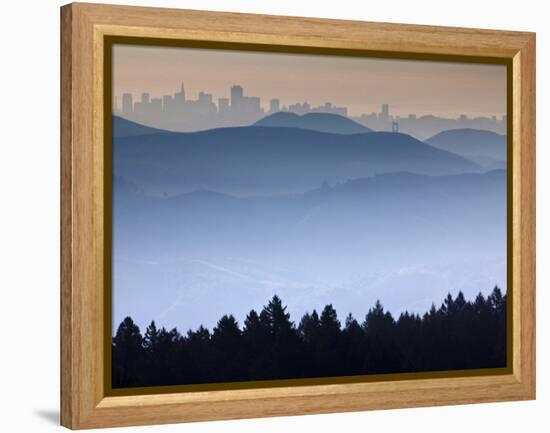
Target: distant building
x=223 y=105
x=236 y=96
x=244 y=109
x=385 y=113
x=299 y=108
x=167 y=103
x=179 y=97
x=328 y=107
x=203 y=107
x=274 y=105
x=127 y=104
x=205 y=98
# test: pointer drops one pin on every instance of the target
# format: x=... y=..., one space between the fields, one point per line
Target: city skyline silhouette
x=178 y=112
x=361 y=84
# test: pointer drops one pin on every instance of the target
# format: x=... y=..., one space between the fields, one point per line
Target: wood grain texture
x=83 y=400
x=67 y=389
x=524 y=215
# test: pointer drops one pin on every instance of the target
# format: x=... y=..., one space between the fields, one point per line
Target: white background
x=29 y=229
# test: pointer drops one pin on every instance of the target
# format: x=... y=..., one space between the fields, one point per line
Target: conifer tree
x=127 y=354
x=460 y=334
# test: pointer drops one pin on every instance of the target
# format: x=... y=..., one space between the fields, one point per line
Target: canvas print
x=298 y=216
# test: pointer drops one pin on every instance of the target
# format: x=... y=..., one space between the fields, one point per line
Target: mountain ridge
x=322 y=122
x=122 y=127
x=486 y=148
x=343 y=240
x=256 y=160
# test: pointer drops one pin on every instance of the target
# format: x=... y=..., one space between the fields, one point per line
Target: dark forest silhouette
x=458 y=335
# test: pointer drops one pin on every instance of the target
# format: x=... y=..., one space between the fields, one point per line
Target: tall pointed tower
x=179 y=97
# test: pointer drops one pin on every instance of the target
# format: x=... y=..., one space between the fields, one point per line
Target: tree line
x=458 y=335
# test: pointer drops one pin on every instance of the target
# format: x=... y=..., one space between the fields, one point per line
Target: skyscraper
x=127 y=104
x=236 y=96
x=179 y=97
x=205 y=98
x=385 y=111
x=167 y=103
x=274 y=105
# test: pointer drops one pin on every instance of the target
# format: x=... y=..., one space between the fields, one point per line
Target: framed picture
x=270 y=216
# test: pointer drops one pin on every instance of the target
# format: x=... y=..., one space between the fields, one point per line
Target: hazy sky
x=361 y=84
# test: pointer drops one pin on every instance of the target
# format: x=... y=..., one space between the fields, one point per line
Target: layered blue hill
x=272 y=160
x=486 y=148
x=404 y=238
x=323 y=122
x=126 y=128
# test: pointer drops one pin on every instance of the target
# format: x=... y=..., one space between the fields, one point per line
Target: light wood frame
x=84 y=403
